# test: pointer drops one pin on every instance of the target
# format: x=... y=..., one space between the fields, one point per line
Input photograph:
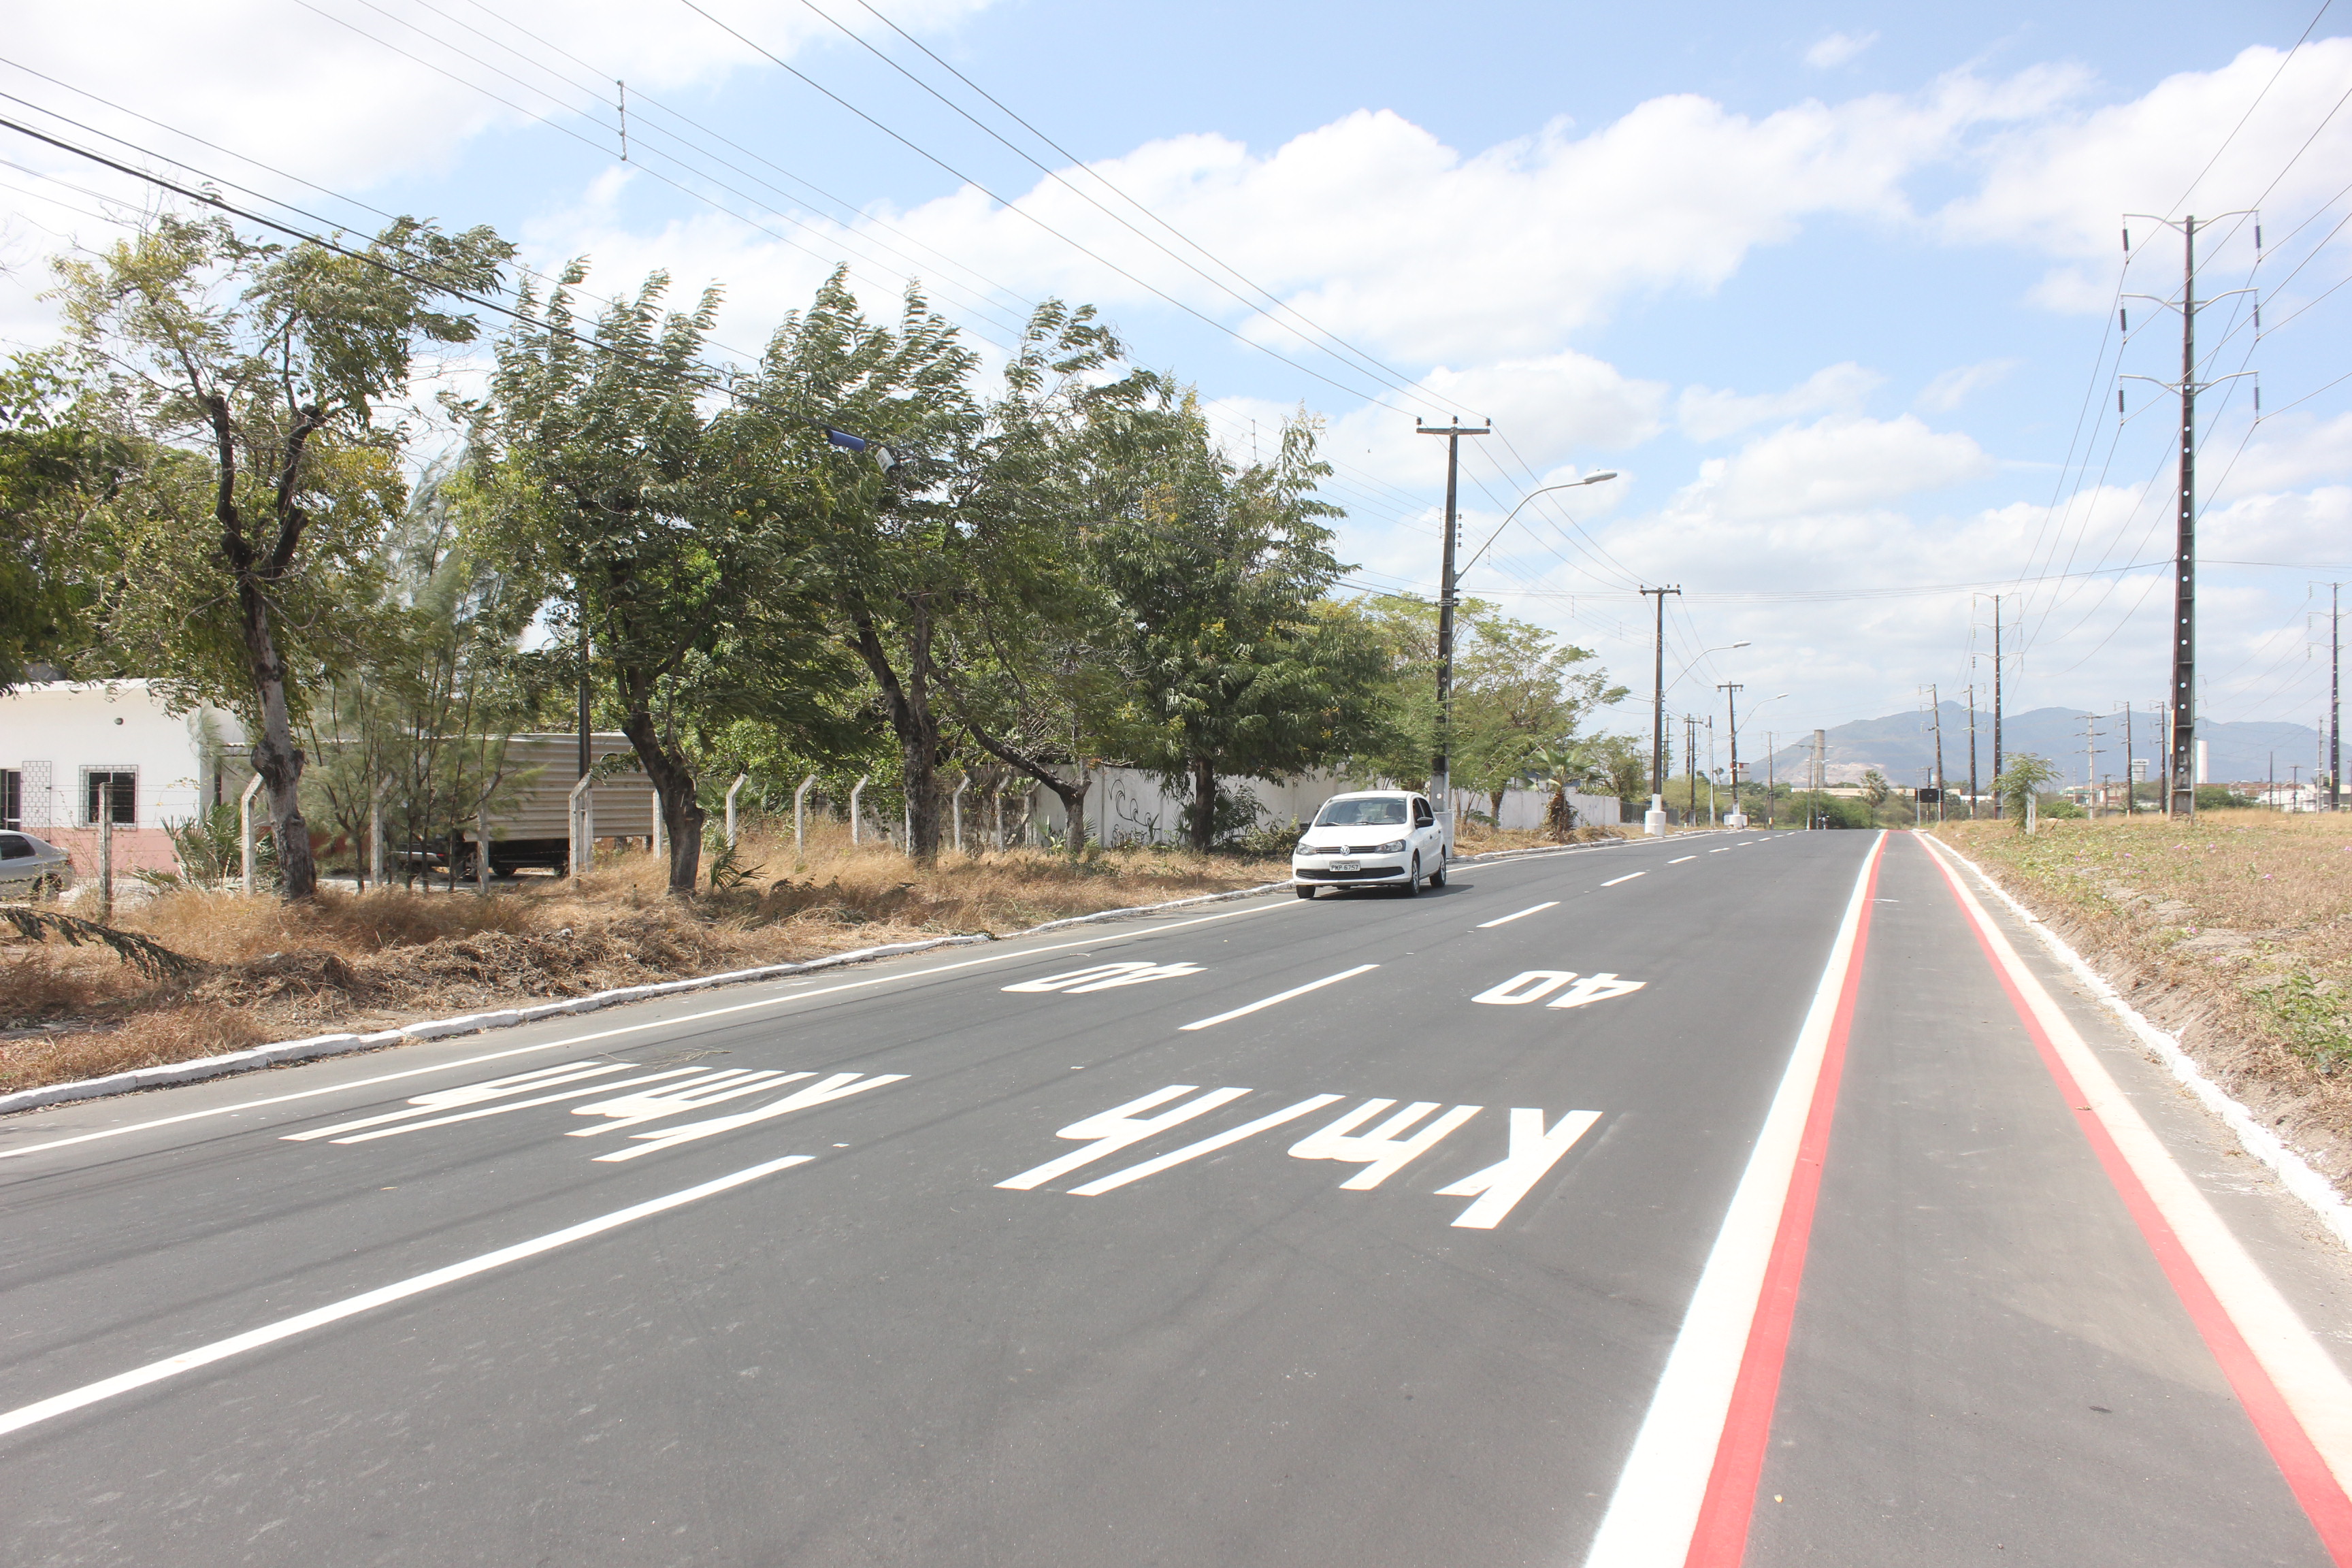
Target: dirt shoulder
x=266 y=971
x=2236 y=934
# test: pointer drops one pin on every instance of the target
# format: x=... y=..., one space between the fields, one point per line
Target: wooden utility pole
x=1440 y=791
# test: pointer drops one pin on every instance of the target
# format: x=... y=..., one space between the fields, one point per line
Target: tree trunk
x=908 y=703
x=673 y=781
x=1205 y=804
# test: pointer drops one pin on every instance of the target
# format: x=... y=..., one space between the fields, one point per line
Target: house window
x=12 y=798
x=124 y=783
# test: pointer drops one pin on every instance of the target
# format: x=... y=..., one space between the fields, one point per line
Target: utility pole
x=2335 y=696
x=1440 y=782
x=1730 y=690
x=2131 y=789
x=1936 y=705
x=1658 y=719
x=1996 y=705
x=2091 y=764
x=1972 y=751
x=2181 y=791
x=1690 y=765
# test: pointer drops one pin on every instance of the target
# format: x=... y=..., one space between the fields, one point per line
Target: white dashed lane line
x=1627 y=878
x=1506 y=920
x=1283 y=997
x=1679 y=862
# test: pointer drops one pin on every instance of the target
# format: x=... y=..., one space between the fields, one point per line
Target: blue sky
x=1830 y=286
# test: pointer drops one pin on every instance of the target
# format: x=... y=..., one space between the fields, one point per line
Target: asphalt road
x=1362 y=1230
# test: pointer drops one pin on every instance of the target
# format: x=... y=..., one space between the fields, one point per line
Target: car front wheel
x=1412 y=879
x=1304 y=892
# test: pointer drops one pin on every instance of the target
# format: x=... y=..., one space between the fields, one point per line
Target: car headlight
x=1393 y=847
x=1303 y=848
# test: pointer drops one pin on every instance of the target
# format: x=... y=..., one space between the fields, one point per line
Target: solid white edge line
x=1655 y=1506
x=2305 y=1374
x=89 y=1394
x=1283 y=997
x=1626 y=878
x=1532 y=909
x=2294 y=1171
x=636 y=1028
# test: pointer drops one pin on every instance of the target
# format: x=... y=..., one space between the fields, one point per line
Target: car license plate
x=1347 y=864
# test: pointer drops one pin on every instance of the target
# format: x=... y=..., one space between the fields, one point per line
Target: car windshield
x=1385 y=812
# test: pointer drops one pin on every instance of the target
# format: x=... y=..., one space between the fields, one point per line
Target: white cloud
x=2294 y=450
x=337 y=103
x=1835 y=467
x=1837 y=48
x=2060 y=181
x=1707 y=415
x=1955 y=387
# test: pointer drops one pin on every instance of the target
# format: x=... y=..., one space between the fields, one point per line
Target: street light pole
x=1653 y=822
x=1730 y=690
x=1440 y=782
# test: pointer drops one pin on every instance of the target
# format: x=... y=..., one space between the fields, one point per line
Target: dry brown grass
x=273 y=971
x=2236 y=934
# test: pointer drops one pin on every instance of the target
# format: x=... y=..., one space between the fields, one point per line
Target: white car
x=28 y=864
x=1370 y=838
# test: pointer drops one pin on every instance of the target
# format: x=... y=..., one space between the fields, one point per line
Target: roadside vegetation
x=2236 y=933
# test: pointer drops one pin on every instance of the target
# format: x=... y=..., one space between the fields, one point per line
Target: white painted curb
x=2294 y=1173
x=318 y=1045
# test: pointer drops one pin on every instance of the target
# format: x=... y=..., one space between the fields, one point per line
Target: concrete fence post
x=375 y=830
x=800 y=815
x=956 y=804
x=657 y=839
x=482 y=853
x=245 y=829
x=732 y=791
x=856 y=790
x=106 y=853
x=582 y=855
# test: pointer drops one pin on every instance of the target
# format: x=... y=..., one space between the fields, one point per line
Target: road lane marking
x=1385 y=1150
x=376 y=1130
x=840 y=1086
x=1097 y=940
x=477 y=1093
x=1535 y=985
x=1725 y=850
x=1532 y=1151
x=2292 y=1388
x=90 y=1393
x=1105 y=977
x=1210 y=1145
x=1285 y=995
x=1679 y=862
x=1119 y=1126
x=1712 y=1409
x=1533 y=910
x=1626 y=878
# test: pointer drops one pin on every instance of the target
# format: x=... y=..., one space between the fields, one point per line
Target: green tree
x=1232 y=665
x=675 y=537
x=950 y=579
x=253 y=377
x=2019 y=782
x=53 y=474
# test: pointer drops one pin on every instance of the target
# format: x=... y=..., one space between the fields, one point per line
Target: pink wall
x=135 y=849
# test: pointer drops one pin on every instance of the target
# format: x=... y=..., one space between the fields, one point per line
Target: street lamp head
x=1595 y=478
x=1739 y=645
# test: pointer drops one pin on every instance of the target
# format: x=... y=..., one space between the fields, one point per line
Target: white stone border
x=2294 y=1173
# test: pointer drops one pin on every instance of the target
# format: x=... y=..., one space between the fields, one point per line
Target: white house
x=66 y=746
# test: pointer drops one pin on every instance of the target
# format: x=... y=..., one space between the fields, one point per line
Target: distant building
x=69 y=749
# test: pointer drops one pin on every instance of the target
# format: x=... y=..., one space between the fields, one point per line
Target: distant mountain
x=1901 y=744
